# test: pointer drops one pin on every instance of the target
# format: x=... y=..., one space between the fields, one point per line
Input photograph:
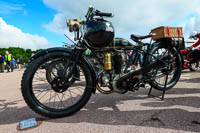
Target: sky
x=38 y=24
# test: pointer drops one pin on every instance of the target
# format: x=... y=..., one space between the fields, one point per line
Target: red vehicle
x=192 y=57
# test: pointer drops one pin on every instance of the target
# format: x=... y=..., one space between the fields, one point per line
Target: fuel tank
x=120 y=43
x=98 y=33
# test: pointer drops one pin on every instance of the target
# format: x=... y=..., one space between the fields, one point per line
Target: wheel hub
x=59 y=85
x=167 y=70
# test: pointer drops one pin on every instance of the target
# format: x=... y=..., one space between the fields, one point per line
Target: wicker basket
x=167 y=32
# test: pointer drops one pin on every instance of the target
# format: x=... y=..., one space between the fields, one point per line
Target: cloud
x=9 y=8
x=58 y=24
x=130 y=16
x=11 y=36
x=193 y=24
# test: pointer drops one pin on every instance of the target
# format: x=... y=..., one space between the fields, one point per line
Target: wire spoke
x=77 y=88
x=42 y=87
x=54 y=99
x=71 y=96
x=43 y=95
x=50 y=99
x=65 y=97
x=47 y=95
x=61 y=101
x=40 y=79
x=73 y=92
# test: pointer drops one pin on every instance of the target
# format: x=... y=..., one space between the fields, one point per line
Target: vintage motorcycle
x=69 y=78
x=191 y=57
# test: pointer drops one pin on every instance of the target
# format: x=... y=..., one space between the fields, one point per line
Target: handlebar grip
x=103 y=14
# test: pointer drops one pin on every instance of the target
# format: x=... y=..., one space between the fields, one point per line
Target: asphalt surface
x=128 y=113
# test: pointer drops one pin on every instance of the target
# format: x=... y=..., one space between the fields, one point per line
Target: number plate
x=28 y=123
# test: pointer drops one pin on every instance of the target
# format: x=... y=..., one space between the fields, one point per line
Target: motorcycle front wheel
x=57 y=97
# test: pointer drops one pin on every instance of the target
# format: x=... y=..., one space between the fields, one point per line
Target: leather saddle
x=137 y=37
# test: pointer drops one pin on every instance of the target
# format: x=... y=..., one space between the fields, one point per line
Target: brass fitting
x=107 y=62
x=74 y=24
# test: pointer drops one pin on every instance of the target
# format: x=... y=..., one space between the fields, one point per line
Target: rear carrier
x=167 y=32
x=175 y=34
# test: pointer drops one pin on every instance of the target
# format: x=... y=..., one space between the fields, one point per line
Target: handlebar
x=103 y=14
x=93 y=12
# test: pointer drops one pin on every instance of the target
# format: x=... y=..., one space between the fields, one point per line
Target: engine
x=113 y=70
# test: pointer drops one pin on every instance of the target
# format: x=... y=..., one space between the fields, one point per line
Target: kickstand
x=164 y=90
x=161 y=98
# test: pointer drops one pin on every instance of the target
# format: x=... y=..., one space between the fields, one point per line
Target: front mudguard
x=69 y=51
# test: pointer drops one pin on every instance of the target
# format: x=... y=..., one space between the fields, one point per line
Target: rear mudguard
x=69 y=51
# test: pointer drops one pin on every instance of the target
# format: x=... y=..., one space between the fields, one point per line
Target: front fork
x=75 y=56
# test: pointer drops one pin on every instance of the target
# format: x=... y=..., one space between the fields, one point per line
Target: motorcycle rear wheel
x=50 y=100
x=175 y=69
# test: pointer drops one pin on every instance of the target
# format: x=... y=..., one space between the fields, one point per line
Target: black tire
x=175 y=69
x=28 y=92
x=194 y=66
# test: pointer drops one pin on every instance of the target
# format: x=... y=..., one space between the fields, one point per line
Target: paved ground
x=131 y=112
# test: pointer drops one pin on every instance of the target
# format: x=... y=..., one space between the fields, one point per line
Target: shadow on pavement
x=10 y=112
x=178 y=101
x=104 y=109
x=175 y=91
x=191 y=80
x=188 y=71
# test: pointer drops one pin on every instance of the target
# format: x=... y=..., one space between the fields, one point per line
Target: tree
x=17 y=52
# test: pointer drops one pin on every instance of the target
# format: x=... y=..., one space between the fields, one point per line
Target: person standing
x=8 y=59
x=1 y=64
x=19 y=62
x=13 y=63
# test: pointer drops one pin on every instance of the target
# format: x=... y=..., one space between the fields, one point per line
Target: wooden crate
x=167 y=32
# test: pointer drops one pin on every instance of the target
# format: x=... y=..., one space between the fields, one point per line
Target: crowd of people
x=8 y=63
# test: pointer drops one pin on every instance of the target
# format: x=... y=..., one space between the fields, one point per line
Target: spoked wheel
x=56 y=97
x=194 y=66
x=172 y=68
